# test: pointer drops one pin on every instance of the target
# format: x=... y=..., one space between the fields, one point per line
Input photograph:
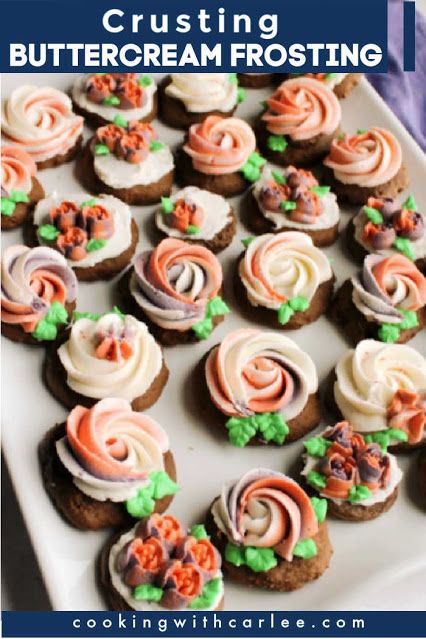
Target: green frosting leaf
x=86 y=315
x=144 y=81
x=167 y=205
x=7 y=206
x=305 y=549
x=264 y=104
x=101 y=149
x=384 y=437
x=285 y=312
x=361 y=131
x=156 y=145
x=260 y=559
x=235 y=554
x=147 y=592
x=330 y=76
x=120 y=121
x=118 y=312
x=162 y=484
x=217 y=306
x=398 y=434
x=373 y=214
x=404 y=246
x=95 y=245
x=199 y=531
x=232 y=77
x=358 y=493
x=142 y=505
x=287 y=309
x=410 y=319
x=45 y=331
x=320 y=190
x=111 y=100
x=272 y=427
x=208 y=596
x=278 y=177
x=388 y=333
x=277 y=143
x=299 y=303
x=251 y=169
x=57 y=314
x=410 y=203
x=317 y=446
x=90 y=202
x=288 y=205
x=203 y=328
x=192 y=229
x=241 y=95
x=18 y=196
x=248 y=240
x=316 y=479
x=320 y=507
x=240 y=430
x=48 y=232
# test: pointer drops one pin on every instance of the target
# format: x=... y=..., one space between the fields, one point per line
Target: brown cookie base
x=357 y=512
x=356 y=326
x=287 y=575
x=95 y=120
x=57 y=160
x=302 y=153
x=259 y=224
x=354 y=194
x=55 y=378
x=422 y=476
x=258 y=81
x=165 y=336
x=174 y=113
x=113 y=598
x=23 y=209
x=227 y=185
x=15 y=333
x=348 y=84
x=76 y=507
x=136 y=195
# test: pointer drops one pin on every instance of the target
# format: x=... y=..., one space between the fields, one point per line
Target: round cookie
x=255 y=80
x=20 y=189
x=422 y=475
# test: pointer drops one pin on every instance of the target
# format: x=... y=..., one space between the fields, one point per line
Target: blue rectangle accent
x=409 y=36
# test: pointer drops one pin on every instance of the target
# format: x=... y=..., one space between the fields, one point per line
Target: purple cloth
x=405 y=92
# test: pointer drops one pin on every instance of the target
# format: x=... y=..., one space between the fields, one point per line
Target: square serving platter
x=377 y=565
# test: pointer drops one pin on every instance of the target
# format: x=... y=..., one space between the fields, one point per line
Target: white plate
x=376 y=565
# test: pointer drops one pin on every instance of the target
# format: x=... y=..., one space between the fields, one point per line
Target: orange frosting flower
x=64 y=216
x=184 y=214
x=98 y=221
x=168 y=527
x=149 y=553
x=73 y=243
x=187 y=578
x=407 y=411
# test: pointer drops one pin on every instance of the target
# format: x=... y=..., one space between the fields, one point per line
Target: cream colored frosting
x=119 y=174
x=203 y=92
x=360 y=220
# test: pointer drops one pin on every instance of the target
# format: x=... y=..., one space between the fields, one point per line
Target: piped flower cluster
x=120 y=90
x=130 y=141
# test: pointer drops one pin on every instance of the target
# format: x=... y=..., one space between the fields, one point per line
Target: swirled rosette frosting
x=254 y=371
x=174 y=283
x=388 y=286
x=17 y=170
x=110 y=450
x=34 y=280
x=113 y=356
x=302 y=108
x=279 y=267
x=219 y=145
x=40 y=120
x=372 y=382
x=366 y=159
x=203 y=92
x=265 y=509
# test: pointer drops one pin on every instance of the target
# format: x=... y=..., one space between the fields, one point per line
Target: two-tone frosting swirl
x=203 y=92
x=368 y=378
x=174 y=282
x=366 y=159
x=219 y=145
x=255 y=371
x=265 y=509
x=279 y=267
x=110 y=357
x=40 y=120
x=110 y=449
x=32 y=280
x=387 y=284
x=302 y=108
x=17 y=170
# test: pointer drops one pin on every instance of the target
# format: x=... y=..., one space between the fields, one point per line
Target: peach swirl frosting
x=282 y=272
x=301 y=109
x=41 y=122
x=37 y=284
x=177 y=286
x=267 y=518
x=158 y=564
x=219 y=146
x=259 y=379
x=380 y=389
x=117 y=454
x=367 y=159
x=17 y=172
x=345 y=466
x=389 y=291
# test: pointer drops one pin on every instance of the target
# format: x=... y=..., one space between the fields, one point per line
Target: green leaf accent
x=410 y=319
x=264 y=104
x=111 y=100
x=305 y=549
x=18 y=196
x=120 y=121
x=7 y=206
x=384 y=437
x=167 y=205
x=317 y=446
x=45 y=331
x=232 y=78
x=373 y=214
x=118 y=312
x=101 y=149
x=287 y=309
x=156 y=145
x=358 y=493
x=95 y=245
x=203 y=328
x=330 y=76
x=159 y=486
x=341 y=136
x=90 y=202
x=241 y=95
x=235 y=554
x=240 y=430
x=288 y=205
x=278 y=177
x=251 y=169
x=272 y=427
x=57 y=314
x=320 y=190
x=285 y=313
x=260 y=559
x=147 y=592
x=361 y=131
x=316 y=479
x=77 y=315
x=217 y=306
x=208 y=596
x=398 y=434
x=192 y=229
x=142 y=505
x=248 y=240
x=320 y=507
x=144 y=81
x=162 y=484
x=388 y=333
x=410 y=203
x=199 y=531
x=403 y=245
x=277 y=143
x=48 y=232
x=299 y=303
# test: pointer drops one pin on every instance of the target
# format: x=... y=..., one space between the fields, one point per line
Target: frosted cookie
x=38 y=294
x=264 y=386
x=292 y=199
x=219 y=155
x=368 y=164
x=384 y=301
x=176 y=289
x=342 y=84
x=111 y=355
x=359 y=479
x=198 y=217
x=20 y=189
x=107 y=464
x=387 y=228
x=100 y=97
x=380 y=390
x=127 y=160
x=158 y=566
x=255 y=80
x=299 y=122
x=40 y=121
x=269 y=533
x=283 y=280
x=188 y=98
x=422 y=476
x=96 y=235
